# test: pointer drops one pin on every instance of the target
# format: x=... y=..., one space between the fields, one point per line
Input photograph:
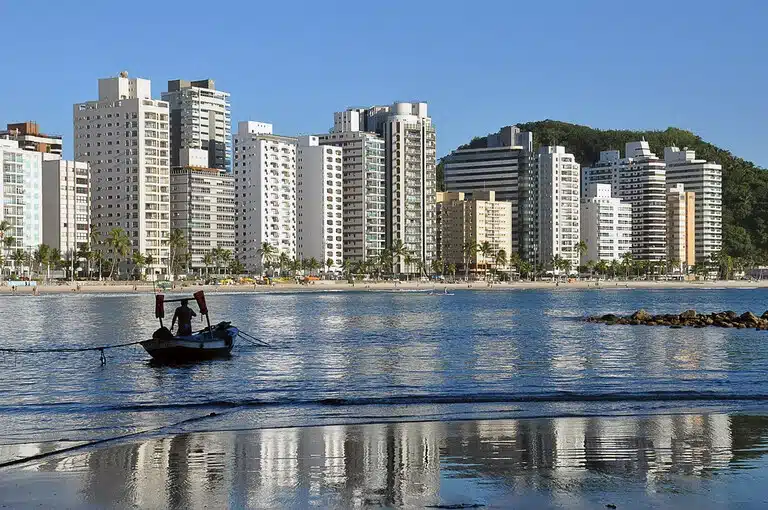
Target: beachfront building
x=200 y=119
x=705 y=179
x=606 y=225
x=681 y=228
x=474 y=221
x=639 y=179
x=558 y=206
x=22 y=205
x=494 y=165
x=123 y=137
x=202 y=207
x=31 y=139
x=409 y=164
x=265 y=193
x=363 y=187
x=319 y=215
x=66 y=196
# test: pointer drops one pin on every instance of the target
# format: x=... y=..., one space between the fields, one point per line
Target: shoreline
x=343 y=286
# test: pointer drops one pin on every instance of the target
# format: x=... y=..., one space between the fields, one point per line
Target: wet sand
x=659 y=461
x=335 y=286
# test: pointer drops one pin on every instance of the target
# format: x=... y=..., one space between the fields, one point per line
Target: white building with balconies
x=558 y=206
x=265 y=193
x=606 y=225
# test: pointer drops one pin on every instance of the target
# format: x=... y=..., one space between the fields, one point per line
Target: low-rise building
x=31 y=139
x=681 y=228
x=473 y=221
x=606 y=225
x=202 y=206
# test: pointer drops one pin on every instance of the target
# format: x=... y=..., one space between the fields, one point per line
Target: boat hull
x=196 y=347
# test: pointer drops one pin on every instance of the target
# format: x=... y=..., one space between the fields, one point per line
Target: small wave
x=405 y=400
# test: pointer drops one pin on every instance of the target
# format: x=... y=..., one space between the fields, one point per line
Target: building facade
x=66 y=193
x=681 y=228
x=363 y=192
x=474 y=221
x=202 y=207
x=606 y=225
x=200 y=119
x=123 y=137
x=705 y=179
x=410 y=166
x=639 y=179
x=320 y=212
x=21 y=193
x=497 y=167
x=31 y=139
x=265 y=193
x=558 y=206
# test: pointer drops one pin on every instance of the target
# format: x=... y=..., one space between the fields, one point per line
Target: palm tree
x=398 y=251
x=557 y=265
x=469 y=250
x=8 y=242
x=55 y=258
x=501 y=259
x=452 y=270
x=40 y=257
x=222 y=256
x=437 y=266
x=313 y=265
x=5 y=226
x=267 y=253
x=283 y=261
x=407 y=261
x=328 y=265
x=177 y=242
x=525 y=268
x=118 y=241
x=590 y=265
x=486 y=250
x=139 y=260
x=236 y=267
x=626 y=261
x=208 y=260
x=514 y=261
x=601 y=267
x=346 y=267
x=581 y=248
x=18 y=258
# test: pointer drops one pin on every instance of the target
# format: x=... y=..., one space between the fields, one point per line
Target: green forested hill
x=745 y=186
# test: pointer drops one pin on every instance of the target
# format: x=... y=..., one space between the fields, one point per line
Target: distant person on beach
x=184 y=314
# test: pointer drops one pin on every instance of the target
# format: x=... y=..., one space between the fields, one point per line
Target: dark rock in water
x=749 y=317
x=765 y=315
x=641 y=315
x=609 y=317
x=731 y=314
x=688 y=314
x=676 y=326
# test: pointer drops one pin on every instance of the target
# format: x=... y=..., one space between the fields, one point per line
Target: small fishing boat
x=209 y=343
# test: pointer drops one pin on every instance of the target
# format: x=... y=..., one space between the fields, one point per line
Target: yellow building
x=476 y=221
x=681 y=227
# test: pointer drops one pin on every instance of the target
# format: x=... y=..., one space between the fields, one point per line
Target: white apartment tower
x=320 y=216
x=363 y=192
x=66 y=192
x=558 y=205
x=705 y=179
x=123 y=137
x=496 y=166
x=606 y=225
x=638 y=179
x=21 y=195
x=265 y=193
x=200 y=119
x=202 y=206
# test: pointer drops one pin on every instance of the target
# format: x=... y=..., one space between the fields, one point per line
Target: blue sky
x=699 y=65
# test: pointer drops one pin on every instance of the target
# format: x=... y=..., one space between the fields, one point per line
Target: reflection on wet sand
x=410 y=464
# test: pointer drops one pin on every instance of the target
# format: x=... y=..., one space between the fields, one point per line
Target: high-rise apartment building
x=265 y=192
x=681 y=227
x=31 y=139
x=496 y=166
x=409 y=141
x=202 y=206
x=320 y=211
x=363 y=192
x=477 y=220
x=21 y=194
x=123 y=136
x=705 y=179
x=200 y=119
x=66 y=193
x=606 y=225
x=558 y=205
x=639 y=179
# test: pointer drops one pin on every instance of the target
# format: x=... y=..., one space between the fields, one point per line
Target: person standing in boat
x=184 y=314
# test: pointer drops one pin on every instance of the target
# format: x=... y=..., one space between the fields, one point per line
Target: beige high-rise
x=681 y=226
x=474 y=221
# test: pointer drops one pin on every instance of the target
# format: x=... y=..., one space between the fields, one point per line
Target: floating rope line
x=100 y=348
x=253 y=340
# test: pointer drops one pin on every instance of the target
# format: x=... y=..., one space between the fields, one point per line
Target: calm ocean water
x=345 y=358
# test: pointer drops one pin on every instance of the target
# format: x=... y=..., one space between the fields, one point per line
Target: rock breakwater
x=689 y=318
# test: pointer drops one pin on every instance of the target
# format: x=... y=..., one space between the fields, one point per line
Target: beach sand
x=362 y=286
x=659 y=461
